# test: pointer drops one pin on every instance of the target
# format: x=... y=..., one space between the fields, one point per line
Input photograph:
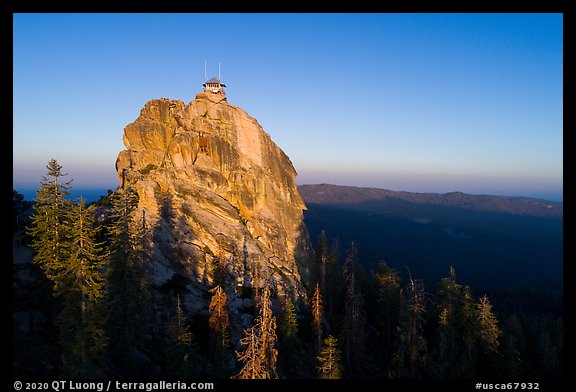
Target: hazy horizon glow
x=414 y=102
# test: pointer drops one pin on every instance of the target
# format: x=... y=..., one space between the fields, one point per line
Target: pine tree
x=254 y=366
x=449 y=300
x=219 y=338
x=354 y=319
x=329 y=358
x=488 y=334
x=487 y=325
x=221 y=273
x=63 y=236
x=17 y=208
x=81 y=285
x=127 y=285
x=259 y=358
x=181 y=352
x=410 y=358
x=322 y=256
x=317 y=312
x=288 y=323
x=218 y=310
x=513 y=347
x=19 y=217
x=388 y=299
x=85 y=263
x=288 y=339
x=49 y=230
x=467 y=329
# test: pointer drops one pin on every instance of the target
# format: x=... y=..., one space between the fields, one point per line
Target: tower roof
x=215 y=80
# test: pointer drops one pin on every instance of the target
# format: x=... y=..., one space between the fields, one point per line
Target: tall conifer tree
x=181 y=352
x=449 y=301
x=288 y=338
x=82 y=288
x=388 y=299
x=219 y=338
x=317 y=312
x=127 y=284
x=329 y=358
x=63 y=237
x=322 y=258
x=260 y=356
x=50 y=227
x=487 y=325
x=410 y=358
x=354 y=318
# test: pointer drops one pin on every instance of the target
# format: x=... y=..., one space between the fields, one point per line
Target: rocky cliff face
x=215 y=188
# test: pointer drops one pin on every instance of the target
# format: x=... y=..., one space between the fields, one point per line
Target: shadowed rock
x=214 y=186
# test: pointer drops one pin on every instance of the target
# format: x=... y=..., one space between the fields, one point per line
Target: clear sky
x=414 y=102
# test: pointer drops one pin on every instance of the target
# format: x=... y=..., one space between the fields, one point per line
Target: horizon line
x=557 y=197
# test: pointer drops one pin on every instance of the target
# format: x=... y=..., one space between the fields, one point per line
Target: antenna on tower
x=205 y=76
x=219 y=78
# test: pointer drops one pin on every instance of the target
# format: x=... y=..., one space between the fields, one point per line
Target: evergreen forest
x=86 y=308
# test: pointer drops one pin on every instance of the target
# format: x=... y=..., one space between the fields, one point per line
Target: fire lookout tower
x=214 y=86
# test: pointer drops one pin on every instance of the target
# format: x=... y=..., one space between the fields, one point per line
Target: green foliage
x=383 y=304
x=63 y=237
x=148 y=169
x=385 y=329
x=329 y=359
x=17 y=201
x=289 y=342
x=466 y=324
x=207 y=250
x=20 y=218
x=513 y=346
x=410 y=359
x=288 y=325
x=388 y=285
x=489 y=332
x=104 y=201
x=83 y=340
x=354 y=323
x=82 y=287
x=85 y=263
x=317 y=313
x=127 y=284
x=448 y=304
x=182 y=360
x=50 y=226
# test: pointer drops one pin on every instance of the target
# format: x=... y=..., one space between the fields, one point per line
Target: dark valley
x=494 y=242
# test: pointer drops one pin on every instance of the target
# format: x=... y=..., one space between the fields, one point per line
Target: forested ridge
x=86 y=308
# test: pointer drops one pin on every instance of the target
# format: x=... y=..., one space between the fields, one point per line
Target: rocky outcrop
x=215 y=188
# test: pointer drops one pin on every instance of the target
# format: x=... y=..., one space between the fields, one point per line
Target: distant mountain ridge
x=328 y=194
x=494 y=242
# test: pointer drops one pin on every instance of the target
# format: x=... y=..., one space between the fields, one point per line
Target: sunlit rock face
x=214 y=186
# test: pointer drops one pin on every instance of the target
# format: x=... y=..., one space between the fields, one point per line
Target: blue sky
x=415 y=102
